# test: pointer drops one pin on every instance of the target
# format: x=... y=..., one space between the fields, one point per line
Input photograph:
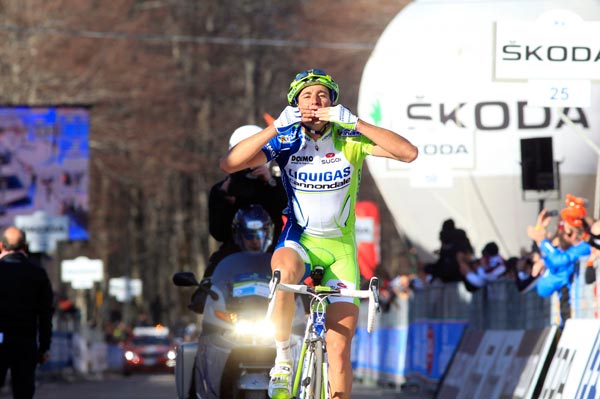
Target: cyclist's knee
x=289 y=263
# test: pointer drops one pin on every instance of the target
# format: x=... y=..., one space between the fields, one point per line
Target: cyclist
x=320 y=147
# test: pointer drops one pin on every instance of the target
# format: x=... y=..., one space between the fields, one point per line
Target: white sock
x=284 y=354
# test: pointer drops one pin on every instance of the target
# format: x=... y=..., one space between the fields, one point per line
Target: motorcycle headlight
x=259 y=328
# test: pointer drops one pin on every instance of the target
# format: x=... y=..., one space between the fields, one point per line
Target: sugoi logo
x=330 y=158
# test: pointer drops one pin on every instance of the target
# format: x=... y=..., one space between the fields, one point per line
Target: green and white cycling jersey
x=321 y=177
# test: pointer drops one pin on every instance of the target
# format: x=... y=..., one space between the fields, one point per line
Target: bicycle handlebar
x=372 y=294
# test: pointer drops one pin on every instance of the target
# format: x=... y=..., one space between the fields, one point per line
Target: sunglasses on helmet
x=310 y=72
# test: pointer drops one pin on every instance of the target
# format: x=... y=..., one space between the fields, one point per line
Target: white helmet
x=243 y=132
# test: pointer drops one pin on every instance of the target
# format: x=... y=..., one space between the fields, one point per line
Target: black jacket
x=25 y=301
x=271 y=197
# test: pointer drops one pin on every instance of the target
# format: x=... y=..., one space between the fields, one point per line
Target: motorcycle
x=236 y=349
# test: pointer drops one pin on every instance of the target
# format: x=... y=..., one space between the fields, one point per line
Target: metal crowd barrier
x=416 y=339
x=584 y=297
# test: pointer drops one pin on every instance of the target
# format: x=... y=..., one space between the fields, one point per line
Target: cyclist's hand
x=338 y=114
x=290 y=116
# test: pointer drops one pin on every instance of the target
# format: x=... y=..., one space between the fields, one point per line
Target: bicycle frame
x=314 y=352
x=311 y=375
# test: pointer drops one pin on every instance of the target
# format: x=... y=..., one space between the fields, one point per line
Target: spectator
x=560 y=261
x=454 y=255
x=528 y=267
x=25 y=314
x=421 y=278
x=121 y=332
x=489 y=268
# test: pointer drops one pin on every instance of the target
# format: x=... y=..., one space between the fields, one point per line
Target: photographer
x=239 y=190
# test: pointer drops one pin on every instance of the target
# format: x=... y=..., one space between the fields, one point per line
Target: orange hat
x=575 y=211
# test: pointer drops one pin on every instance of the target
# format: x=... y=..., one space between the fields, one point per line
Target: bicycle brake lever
x=374 y=287
x=274 y=283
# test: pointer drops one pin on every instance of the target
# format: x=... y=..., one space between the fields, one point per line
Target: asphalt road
x=158 y=386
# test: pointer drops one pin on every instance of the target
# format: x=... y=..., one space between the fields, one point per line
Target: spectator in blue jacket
x=559 y=261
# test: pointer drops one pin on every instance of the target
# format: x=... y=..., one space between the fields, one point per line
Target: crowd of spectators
x=559 y=242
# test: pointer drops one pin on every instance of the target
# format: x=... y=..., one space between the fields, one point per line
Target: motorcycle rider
x=252 y=231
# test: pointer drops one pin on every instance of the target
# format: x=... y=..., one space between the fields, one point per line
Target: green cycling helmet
x=312 y=77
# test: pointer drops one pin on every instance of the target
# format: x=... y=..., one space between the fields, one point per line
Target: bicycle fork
x=312 y=380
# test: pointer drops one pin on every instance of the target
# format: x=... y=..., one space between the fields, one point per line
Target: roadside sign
x=82 y=272
x=124 y=288
x=43 y=230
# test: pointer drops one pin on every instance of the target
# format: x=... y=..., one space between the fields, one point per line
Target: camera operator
x=239 y=190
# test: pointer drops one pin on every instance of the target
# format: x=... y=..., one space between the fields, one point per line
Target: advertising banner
x=44 y=157
x=368 y=235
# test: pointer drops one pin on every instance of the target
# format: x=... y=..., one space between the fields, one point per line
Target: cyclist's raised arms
x=388 y=144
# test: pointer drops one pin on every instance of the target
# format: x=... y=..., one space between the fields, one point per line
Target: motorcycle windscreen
x=243 y=278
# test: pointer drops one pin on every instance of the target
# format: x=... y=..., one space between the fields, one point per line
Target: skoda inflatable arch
x=471 y=84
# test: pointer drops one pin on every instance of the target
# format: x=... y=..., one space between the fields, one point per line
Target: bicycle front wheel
x=313 y=380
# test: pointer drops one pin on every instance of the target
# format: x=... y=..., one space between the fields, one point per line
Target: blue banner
x=382 y=352
x=44 y=157
x=432 y=344
x=61 y=352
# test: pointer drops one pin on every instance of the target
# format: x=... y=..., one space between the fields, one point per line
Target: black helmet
x=252 y=229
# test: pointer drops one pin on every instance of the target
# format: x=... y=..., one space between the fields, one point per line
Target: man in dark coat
x=25 y=314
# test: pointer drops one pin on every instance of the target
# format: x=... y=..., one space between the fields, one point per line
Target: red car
x=149 y=349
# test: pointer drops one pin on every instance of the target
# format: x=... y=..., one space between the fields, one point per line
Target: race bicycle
x=310 y=378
